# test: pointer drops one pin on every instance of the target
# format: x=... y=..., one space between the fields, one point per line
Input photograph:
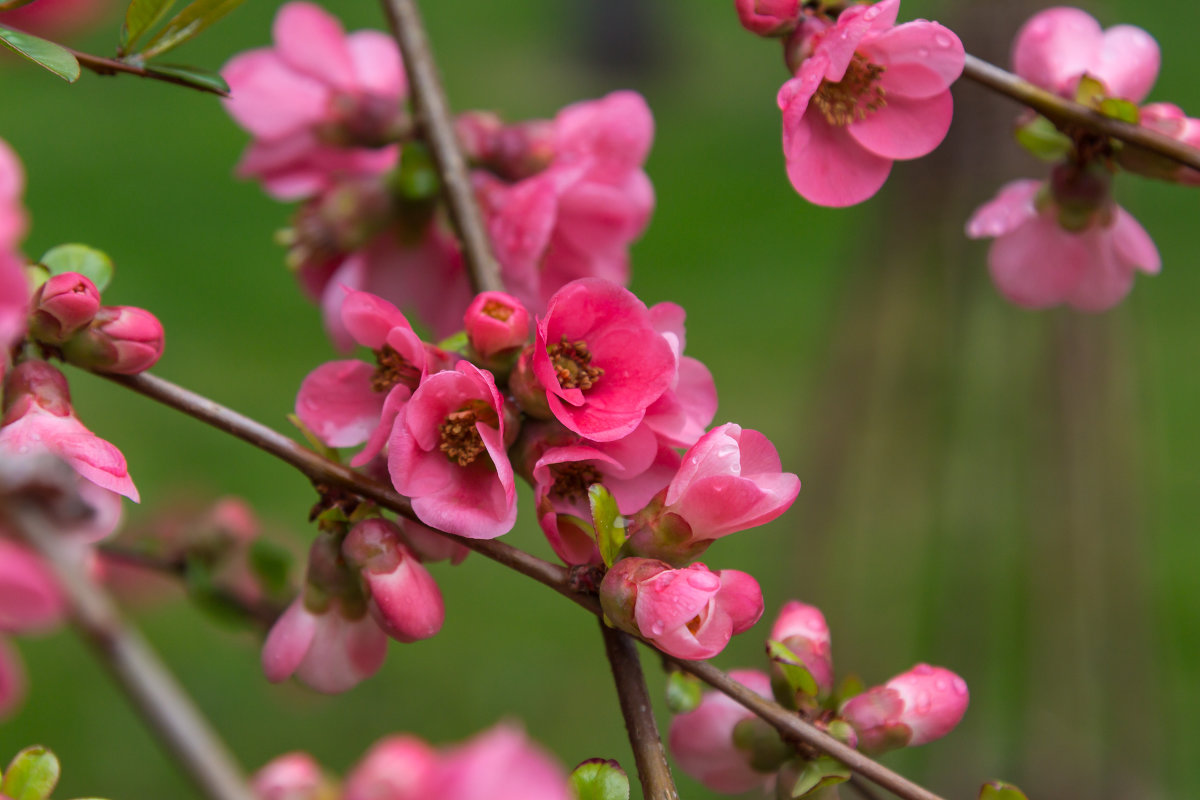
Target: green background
x=1010 y=494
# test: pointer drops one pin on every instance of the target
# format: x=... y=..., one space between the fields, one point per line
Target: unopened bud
x=526 y=389
x=35 y=382
x=768 y=17
x=496 y=324
x=121 y=339
x=405 y=601
x=64 y=304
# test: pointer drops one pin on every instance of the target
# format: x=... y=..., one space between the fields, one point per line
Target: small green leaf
x=46 y=54
x=189 y=22
x=818 y=774
x=683 y=692
x=455 y=343
x=1043 y=140
x=609 y=524
x=193 y=76
x=1120 y=109
x=999 y=790
x=89 y=262
x=416 y=179
x=141 y=16
x=1090 y=92
x=271 y=564
x=600 y=779
x=793 y=669
x=32 y=775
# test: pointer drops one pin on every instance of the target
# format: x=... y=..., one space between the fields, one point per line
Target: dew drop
x=704 y=581
x=924 y=703
x=657 y=628
x=960 y=686
x=923 y=52
x=943 y=41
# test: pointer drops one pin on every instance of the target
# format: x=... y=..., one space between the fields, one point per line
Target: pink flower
x=57 y=19
x=911 y=709
x=1170 y=120
x=1035 y=263
x=681 y=414
x=14 y=304
x=38 y=416
x=868 y=93
x=768 y=17
x=122 y=340
x=395 y=768
x=62 y=305
x=1058 y=46
x=803 y=630
x=405 y=601
x=30 y=599
x=292 y=776
x=500 y=764
x=13 y=219
x=701 y=740
x=313 y=101
x=447 y=453
x=600 y=360
x=729 y=481
x=496 y=323
x=687 y=613
x=332 y=650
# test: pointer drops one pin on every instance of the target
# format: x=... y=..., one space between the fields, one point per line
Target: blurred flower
x=291 y=776
x=499 y=764
x=57 y=19
x=911 y=709
x=768 y=17
x=395 y=768
x=331 y=650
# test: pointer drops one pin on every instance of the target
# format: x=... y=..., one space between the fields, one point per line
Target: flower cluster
x=728 y=749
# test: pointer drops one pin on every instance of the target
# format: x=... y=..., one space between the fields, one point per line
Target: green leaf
x=819 y=774
x=793 y=669
x=271 y=564
x=600 y=779
x=1089 y=92
x=189 y=22
x=141 y=16
x=32 y=775
x=683 y=692
x=999 y=790
x=455 y=343
x=1123 y=110
x=193 y=76
x=47 y=54
x=609 y=524
x=326 y=452
x=1043 y=140
x=87 y=261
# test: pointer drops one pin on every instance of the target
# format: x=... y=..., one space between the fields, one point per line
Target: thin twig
x=551 y=575
x=112 y=66
x=433 y=116
x=1063 y=112
x=652 y=767
x=134 y=665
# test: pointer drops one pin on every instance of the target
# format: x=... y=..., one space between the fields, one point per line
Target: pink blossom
x=447 y=453
x=405 y=601
x=600 y=360
x=911 y=709
x=803 y=630
x=314 y=100
x=1036 y=263
x=701 y=740
x=62 y=305
x=13 y=682
x=30 y=599
x=869 y=92
x=291 y=776
x=681 y=414
x=496 y=323
x=57 y=19
x=499 y=764
x=14 y=304
x=429 y=545
x=768 y=17
x=688 y=613
x=729 y=481
x=122 y=340
x=331 y=650
x=395 y=768
x=1058 y=46
x=1170 y=120
x=13 y=220
x=38 y=416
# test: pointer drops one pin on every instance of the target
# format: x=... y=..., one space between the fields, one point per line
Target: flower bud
x=291 y=776
x=527 y=390
x=768 y=17
x=396 y=768
x=405 y=600
x=35 y=383
x=912 y=708
x=121 y=339
x=803 y=630
x=64 y=304
x=496 y=324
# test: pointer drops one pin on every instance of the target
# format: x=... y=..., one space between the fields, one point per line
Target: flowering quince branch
x=112 y=66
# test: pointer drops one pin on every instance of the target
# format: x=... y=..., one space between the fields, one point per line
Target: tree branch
x=1063 y=112
x=653 y=770
x=112 y=66
x=433 y=117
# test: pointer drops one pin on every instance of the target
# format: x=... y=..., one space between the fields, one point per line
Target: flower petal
x=920 y=58
x=905 y=128
x=832 y=169
x=1038 y=264
x=1056 y=46
x=1011 y=208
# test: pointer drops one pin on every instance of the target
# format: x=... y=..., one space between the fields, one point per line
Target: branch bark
x=111 y=66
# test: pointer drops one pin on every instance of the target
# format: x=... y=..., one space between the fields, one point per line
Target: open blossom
x=1058 y=46
x=496 y=323
x=318 y=103
x=701 y=740
x=688 y=613
x=1036 y=263
x=447 y=453
x=332 y=650
x=911 y=709
x=868 y=92
x=681 y=414
x=1170 y=120
x=600 y=360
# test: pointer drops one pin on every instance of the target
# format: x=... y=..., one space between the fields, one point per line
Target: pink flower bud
x=802 y=629
x=701 y=740
x=688 y=613
x=912 y=708
x=405 y=600
x=496 y=323
x=395 y=768
x=14 y=296
x=500 y=764
x=121 y=339
x=292 y=776
x=768 y=17
x=64 y=304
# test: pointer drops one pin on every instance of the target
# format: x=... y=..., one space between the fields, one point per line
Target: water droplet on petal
x=924 y=703
x=923 y=52
x=960 y=686
x=943 y=40
x=703 y=581
x=657 y=628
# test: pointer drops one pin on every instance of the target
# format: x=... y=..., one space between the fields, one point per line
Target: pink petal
x=920 y=58
x=337 y=403
x=840 y=42
x=288 y=642
x=793 y=100
x=268 y=98
x=377 y=66
x=741 y=598
x=395 y=400
x=369 y=318
x=832 y=169
x=313 y=42
x=1133 y=245
x=1011 y=208
x=1056 y=46
x=30 y=599
x=1038 y=264
x=1105 y=282
x=1128 y=62
x=905 y=128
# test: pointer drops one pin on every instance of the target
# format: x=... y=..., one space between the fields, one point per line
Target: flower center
x=460 y=439
x=572 y=364
x=572 y=479
x=392 y=368
x=497 y=310
x=855 y=96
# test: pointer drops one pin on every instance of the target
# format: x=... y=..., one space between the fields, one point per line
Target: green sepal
x=93 y=264
x=31 y=775
x=1043 y=140
x=188 y=23
x=455 y=343
x=36 y=274
x=45 y=54
x=140 y=17
x=1116 y=108
x=999 y=790
x=609 y=524
x=797 y=675
x=683 y=692
x=416 y=179
x=324 y=450
x=271 y=564
x=199 y=77
x=1090 y=92
x=819 y=774
x=599 y=779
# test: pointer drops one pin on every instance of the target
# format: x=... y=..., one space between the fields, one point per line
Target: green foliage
x=999 y=790
x=609 y=524
x=93 y=264
x=193 y=20
x=140 y=17
x=272 y=565
x=1042 y=139
x=32 y=775
x=683 y=692
x=600 y=779
x=57 y=59
x=819 y=774
x=194 y=76
x=797 y=675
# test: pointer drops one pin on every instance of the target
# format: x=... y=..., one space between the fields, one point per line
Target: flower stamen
x=460 y=439
x=572 y=365
x=857 y=95
x=393 y=368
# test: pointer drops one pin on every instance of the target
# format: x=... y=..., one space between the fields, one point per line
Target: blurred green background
x=1009 y=494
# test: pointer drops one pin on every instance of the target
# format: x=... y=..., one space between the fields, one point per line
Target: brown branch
x=433 y=117
x=653 y=770
x=1063 y=112
x=133 y=664
x=112 y=66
